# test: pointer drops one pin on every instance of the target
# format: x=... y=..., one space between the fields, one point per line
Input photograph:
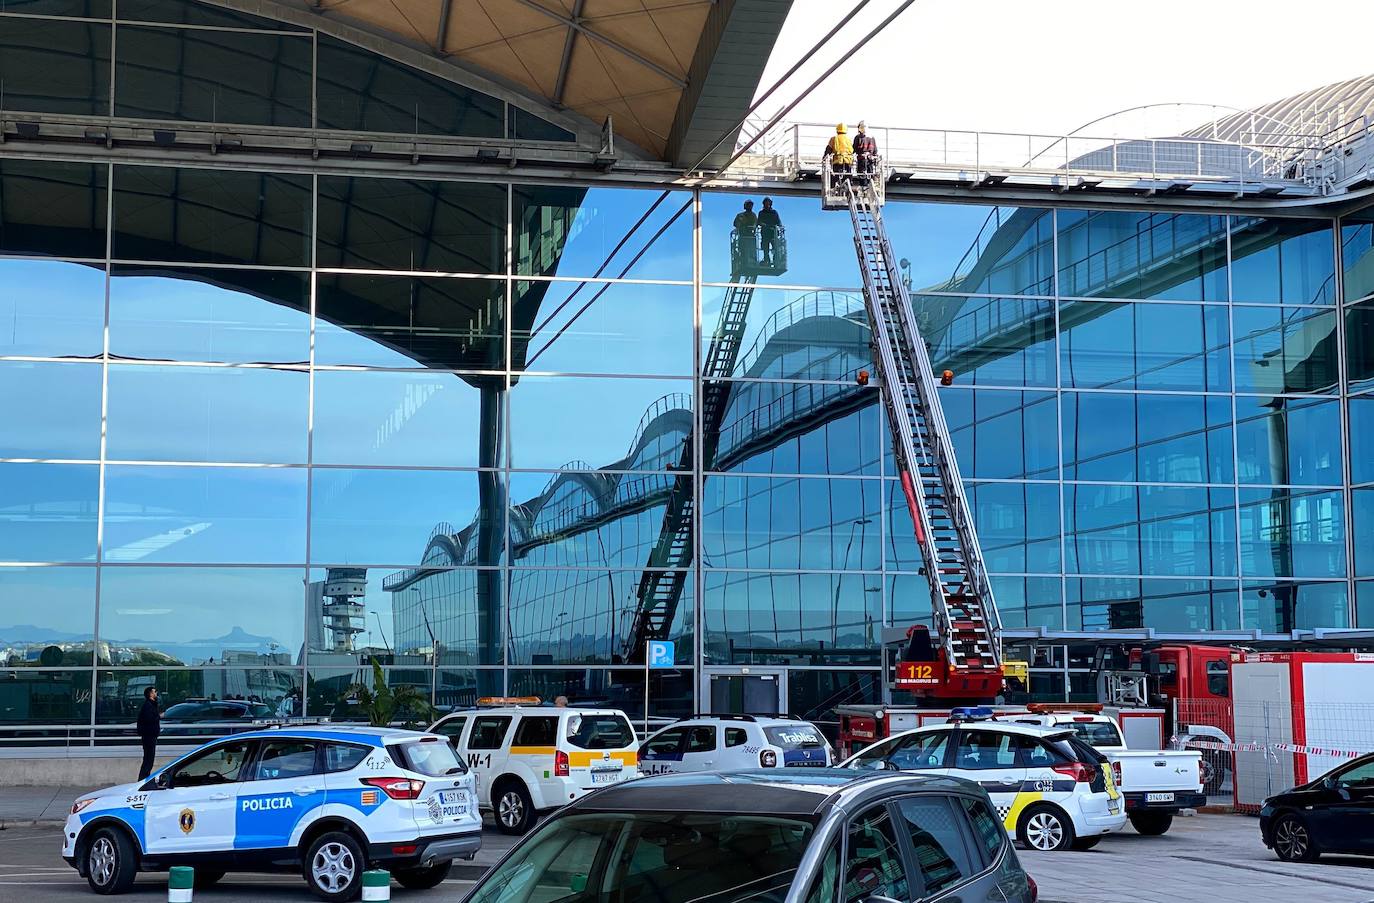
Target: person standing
x=746 y=240
x=840 y=152
x=769 y=222
x=149 y=727
x=865 y=151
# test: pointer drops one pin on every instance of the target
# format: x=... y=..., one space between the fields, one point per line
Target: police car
x=329 y=802
x=1052 y=790
x=528 y=758
x=734 y=743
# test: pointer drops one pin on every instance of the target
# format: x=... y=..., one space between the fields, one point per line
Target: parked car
x=217 y=710
x=734 y=743
x=1333 y=814
x=529 y=759
x=767 y=835
x=1156 y=784
x=1052 y=791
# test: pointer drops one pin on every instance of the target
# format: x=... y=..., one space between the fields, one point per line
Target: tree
x=384 y=704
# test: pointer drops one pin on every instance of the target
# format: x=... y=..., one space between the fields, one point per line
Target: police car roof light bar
x=971 y=713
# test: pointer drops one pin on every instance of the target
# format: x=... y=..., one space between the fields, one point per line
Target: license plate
x=1113 y=807
x=605 y=775
x=454 y=803
x=1159 y=797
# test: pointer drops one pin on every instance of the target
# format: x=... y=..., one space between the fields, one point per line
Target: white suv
x=329 y=802
x=734 y=743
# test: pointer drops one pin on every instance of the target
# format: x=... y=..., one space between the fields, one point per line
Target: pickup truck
x=1155 y=783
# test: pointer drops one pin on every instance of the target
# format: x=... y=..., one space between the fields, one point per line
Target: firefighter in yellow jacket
x=840 y=151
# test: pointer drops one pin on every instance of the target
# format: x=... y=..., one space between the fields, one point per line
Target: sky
x=1050 y=67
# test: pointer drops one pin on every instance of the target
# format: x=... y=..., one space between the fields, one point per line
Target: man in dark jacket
x=865 y=151
x=149 y=726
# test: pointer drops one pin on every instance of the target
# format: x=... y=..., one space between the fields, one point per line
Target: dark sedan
x=1333 y=814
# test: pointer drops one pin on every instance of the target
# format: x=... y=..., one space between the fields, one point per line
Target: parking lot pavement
x=1212 y=858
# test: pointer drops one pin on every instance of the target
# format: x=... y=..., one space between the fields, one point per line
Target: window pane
x=1003 y=435
x=986 y=828
x=1362 y=505
x=972 y=248
x=1284 y=349
x=598 y=327
x=609 y=232
x=52 y=209
x=989 y=341
x=50 y=309
x=794 y=427
x=1361 y=438
x=280 y=759
x=528 y=127
x=88 y=9
x=1116 y=254
x=211 y=216
x=221 y=414
x=1286 y=606
x=1287 y=533
x=213 y=696
x=813 y=695
x=1147 y=438
x=1017 y=523
x=179 y=11
x=670 y=691
x=1357 y=255
x=35 y=697
x=199 y=75
x=1021 y=601
x=820 y=245
x=49 y=66
x=1364 y=594
x=212 y=315
x=1168 y=530
x=937 y=840
x=31 y=394
x=1282 y=261
x=579 y=519
x=204 y=515
x=789 y=334
x=396 y=98
x=405 y=517
x=1359 y=344
x=873 y=865
x=1145 y=346
x=48 y=512
x=397 y=321
x=47 y=617
x=1287 y=441
x=199 y=616
x=331 y=692
x=781 y=618
x=395 y=224
x=1122 y=603
x=802 y=522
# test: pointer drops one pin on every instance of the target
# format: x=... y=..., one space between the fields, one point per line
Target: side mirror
x=162 y=781
x=1328 y=783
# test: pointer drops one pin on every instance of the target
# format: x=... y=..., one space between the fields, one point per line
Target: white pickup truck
x=1155 y=783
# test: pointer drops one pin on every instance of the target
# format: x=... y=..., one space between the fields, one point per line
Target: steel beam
x=576 y=24
x=566 y=62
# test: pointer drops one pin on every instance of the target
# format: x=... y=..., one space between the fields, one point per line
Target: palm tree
x=384 y=704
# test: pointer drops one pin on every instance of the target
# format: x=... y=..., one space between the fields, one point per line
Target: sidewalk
x=27 y=805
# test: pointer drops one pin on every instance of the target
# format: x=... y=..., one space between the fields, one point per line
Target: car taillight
x=768 y=759
x=1081 y=772
x=560 y=764
x=1034 y=889
x=1116 y=773
x=397 y=788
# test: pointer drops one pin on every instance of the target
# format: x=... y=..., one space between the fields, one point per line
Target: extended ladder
x=966 y=619
x=660 y=591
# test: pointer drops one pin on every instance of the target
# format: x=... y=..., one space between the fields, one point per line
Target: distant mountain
x=27 y=633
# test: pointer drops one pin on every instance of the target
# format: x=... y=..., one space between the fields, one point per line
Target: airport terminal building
x=375 y=330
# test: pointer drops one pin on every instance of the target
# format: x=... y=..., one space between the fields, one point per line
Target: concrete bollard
x=376 y=885
x=181 y=882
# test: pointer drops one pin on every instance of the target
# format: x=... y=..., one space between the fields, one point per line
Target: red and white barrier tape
x=1319 y=751
x=1228 y=747
x=1280 y=747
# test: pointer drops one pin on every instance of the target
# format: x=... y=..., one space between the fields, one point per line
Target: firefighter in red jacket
x=865 y=152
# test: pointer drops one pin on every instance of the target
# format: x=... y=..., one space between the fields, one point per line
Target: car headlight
x=81 y=804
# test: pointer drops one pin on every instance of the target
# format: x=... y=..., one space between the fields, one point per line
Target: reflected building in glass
x=266 y=422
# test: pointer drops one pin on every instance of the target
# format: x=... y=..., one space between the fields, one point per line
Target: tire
x=1151 y=824
x=333 y=866
x=207 y=877
x=513 y=808
x=1087 y=843
x=1293 y=840
x=111 y=861
x=423 y=878
x=1214 y=774
x=1045 y=829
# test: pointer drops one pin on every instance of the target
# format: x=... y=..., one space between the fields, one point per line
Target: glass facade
x=264 y=426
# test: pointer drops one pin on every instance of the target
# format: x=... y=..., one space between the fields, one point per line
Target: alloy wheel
x=512 y=810
x=1044 y=832
x=333 y=867
x=1291 y=840
x=103 y=860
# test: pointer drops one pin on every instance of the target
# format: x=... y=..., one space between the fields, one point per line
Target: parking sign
x=660 y=654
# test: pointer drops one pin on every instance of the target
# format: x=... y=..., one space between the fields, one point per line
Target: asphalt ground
x=1211 y=858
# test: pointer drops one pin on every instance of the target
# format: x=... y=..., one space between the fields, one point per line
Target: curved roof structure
x=1319 y=109
x=672 y=74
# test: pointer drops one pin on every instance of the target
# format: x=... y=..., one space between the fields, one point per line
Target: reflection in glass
x=974 y=249
x=1144 y=346
x=670 y=690
x=1361 y=438
x=247 y=617
x=52 y=209
x=609 y=232
x=1359 y=345
x=48 y=512
x=575 y=617
x=216 y=696
x=1364 y=603
x=1017 y=524
x=813 y=695
x=50 y=309
x=211 y=216
x=790 y=335
x=1152 y=530
x=1122 y=603
x=397 y=224
x=1288 y=441
x=529 y=127
x=1285 y=606
x=1147 y=438
x=820 y=244
x=802 y=522
x=221 y=414
x=1362 y=539
x=1284 y=349
x=209 y=515
x=1357 y=255
x=181 y=12
x=1021 y=601
x=29 y=394
x=598 y=520
x=200 y=75
x=1282 y=261
x=49 y=66
x=592 y=327
x=1120 y=254
x=778 y=619
x=1287 y=533
x=45 y=697
x=211 y=315
x=799 y=427
x=1002 y=435
x=989 y=341
x=47 y=617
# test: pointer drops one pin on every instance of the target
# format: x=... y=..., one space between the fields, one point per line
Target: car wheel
x=207 y=877
x=333 y=866
x=110 y=862
x=1087 y=843
x=1151 y=824
x=1293 y=840
x=1046 y=829
x=1213 y=774
x=423 y=878
x=514 y=810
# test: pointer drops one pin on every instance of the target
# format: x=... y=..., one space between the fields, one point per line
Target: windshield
x=794 y=736
x=430 y=757
x=1095 y=733
x=657 y=857
x=600 y=731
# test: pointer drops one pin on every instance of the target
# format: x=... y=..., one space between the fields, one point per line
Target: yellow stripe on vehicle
x=1022 y=800
x=532 y=750
x=586 y=759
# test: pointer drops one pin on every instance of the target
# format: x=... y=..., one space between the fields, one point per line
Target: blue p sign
x=660 y=654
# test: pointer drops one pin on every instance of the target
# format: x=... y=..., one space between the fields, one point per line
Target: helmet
x=839 y=129
x=862 y=125
x=768 y=202
x=748 y=204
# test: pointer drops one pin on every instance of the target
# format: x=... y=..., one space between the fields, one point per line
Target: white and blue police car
x=734 y=743
x=329 y=801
